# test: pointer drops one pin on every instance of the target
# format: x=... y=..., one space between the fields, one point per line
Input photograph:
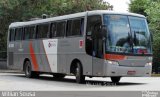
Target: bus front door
x=97 y=57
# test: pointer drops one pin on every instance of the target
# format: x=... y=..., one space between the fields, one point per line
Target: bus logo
x=51 y=44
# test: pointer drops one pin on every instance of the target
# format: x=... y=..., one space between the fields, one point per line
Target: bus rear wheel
x=115 y=79
x=80 y=78
x=28 y=70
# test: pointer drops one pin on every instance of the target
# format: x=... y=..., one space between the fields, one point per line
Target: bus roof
x=80 y=14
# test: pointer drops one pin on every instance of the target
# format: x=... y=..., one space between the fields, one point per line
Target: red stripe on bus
x=114 y=57
x=33 y=57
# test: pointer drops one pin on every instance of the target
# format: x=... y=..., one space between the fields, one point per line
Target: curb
x=10 y=71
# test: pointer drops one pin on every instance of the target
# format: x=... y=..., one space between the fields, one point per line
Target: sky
x=119 y=5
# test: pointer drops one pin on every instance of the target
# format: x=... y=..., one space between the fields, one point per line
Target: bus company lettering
x=51 y=44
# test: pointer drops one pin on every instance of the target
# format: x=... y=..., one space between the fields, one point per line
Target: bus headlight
x=149 y=64
x=112 y=62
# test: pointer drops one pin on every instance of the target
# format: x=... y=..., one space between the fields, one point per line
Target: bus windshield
x=127 y=34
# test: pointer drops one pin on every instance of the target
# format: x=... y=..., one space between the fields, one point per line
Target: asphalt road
x=15 y=81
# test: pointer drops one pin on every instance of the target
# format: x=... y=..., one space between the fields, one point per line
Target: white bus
x=96 y=43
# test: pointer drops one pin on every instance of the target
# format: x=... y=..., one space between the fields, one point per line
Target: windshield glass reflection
x=127 y=34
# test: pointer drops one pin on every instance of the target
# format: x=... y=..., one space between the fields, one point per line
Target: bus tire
x=115 y=79
x=80 y=78
x=28 y=70
x=59 y=76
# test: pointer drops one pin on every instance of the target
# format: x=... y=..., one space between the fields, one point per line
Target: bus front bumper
x=123 y=71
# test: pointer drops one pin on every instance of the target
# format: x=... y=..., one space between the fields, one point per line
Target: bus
x=96 y=43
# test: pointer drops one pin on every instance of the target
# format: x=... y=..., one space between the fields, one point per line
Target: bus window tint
x=12 y=34
x=42 y=31
x=26 y=33
x=69 y=28
x=30 y=32
x=18 y=34
x=60 y=31
x=53 y=30
x=82 y=26
x=75 y=27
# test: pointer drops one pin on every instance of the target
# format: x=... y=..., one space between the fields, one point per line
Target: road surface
x=16 y=81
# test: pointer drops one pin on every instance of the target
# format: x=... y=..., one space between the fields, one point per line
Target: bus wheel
x=80 y=78
x=28 y=70
x=115 y=79
x=59 y=76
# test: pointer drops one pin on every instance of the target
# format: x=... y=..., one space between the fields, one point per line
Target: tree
x=153 y=12
x=151 y=9
x=139 y=6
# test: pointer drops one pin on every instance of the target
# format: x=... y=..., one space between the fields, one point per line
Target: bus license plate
x=131 y=72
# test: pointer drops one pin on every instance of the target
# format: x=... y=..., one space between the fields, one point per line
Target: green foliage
x=23 y=10
x=153 y=12
x=151 y=9
x=139 y=6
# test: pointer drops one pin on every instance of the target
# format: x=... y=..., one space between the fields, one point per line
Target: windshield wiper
x=128 y=44
x=134 y=39
x=130 y=40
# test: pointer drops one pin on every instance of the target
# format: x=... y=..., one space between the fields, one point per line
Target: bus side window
x=75 y=27
x=53 y=30
x=32 y=32
x=12 y=34
x=60 y=29
x=29 y=32
x=69 y=28
x=82 y=27
x=42 y=30
x=26 y=33
x=18 y=35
